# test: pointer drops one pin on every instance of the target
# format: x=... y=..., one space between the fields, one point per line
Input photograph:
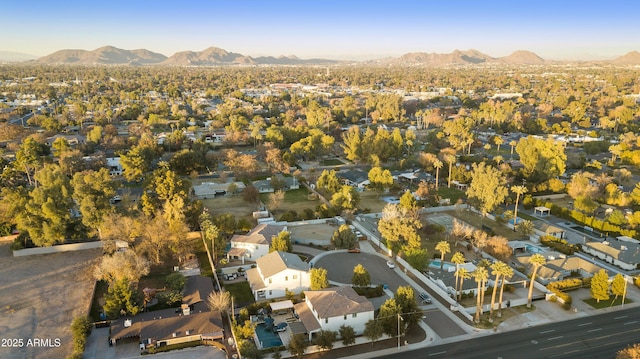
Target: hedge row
x=559 y=245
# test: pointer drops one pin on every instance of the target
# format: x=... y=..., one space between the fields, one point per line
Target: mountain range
x=213 y=56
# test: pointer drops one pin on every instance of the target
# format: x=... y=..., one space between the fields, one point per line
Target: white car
x=390 y=264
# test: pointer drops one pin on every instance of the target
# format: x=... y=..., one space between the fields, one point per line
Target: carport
x=543 y=211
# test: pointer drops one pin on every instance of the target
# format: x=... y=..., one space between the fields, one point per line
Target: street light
x=399 y=318
x=625 y=291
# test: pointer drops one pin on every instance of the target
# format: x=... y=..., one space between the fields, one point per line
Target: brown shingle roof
x=197 y=289
x=306 y=317
x=333 y=302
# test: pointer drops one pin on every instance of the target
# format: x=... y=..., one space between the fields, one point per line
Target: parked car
x=281 y=327
x=360 y=236
x=354 y=250
x=390 y=264
x=425 y=298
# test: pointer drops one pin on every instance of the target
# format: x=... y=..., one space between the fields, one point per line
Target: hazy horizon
x=561 y=30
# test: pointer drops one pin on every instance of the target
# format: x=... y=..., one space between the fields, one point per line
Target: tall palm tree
x=537 y=260
x=443 y=248
x=498 y=140
x=457 y=259
x=462 y=273
x=449 y=156
x=513 y=145
x=437 y=164
x=506 y=272
x=480 y=275
x=518 y=190
x=496 y=270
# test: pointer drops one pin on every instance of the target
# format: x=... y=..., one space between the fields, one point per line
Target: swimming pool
x=446 y=266
x=266 y=336
x=533 y=249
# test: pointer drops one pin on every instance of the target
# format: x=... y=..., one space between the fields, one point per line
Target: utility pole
x=399 y=318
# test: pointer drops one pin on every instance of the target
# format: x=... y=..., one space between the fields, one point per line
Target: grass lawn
x=98 y=297
x=294 y=200
x=332 y=162
x=371 y=200
x=606 y=303
x=453 y=194
x=527 y=217
x=241 y=292
x=477 y=221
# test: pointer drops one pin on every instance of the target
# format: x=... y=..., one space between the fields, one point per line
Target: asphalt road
x=599 y=336
x=340 y=266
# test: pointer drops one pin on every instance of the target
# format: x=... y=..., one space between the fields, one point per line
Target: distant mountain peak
x=630 y=58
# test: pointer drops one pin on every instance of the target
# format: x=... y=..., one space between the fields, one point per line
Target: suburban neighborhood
x=213 y=205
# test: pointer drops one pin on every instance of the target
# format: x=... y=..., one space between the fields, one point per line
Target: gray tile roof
x=276 y=262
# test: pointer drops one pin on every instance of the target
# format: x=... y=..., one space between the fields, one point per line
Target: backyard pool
x=533 y=249
x=446 y=266
x=266 y=336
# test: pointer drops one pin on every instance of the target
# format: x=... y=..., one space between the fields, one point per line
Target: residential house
x=354 y=178
x=193 y=322
x=254 y=244
x=276 y=273
x=562 y=267
x=542 y=229
x=208 y=190
x=330 y=308
x=72 y=140
x=623 y=254
x=284 y=183
x=114 y=166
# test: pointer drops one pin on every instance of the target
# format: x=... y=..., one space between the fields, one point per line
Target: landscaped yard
x=451 y=193
x=294 y=200
x=230 y=204
x=477 y=221
x=241 y=292
x=332 y=162
x=606 y=303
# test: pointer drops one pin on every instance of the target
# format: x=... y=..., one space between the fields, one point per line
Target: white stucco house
x=254 y=244
x=277 y=272
x=625 y=255
x=330 y=308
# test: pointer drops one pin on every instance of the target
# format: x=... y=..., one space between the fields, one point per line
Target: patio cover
x=285 y=304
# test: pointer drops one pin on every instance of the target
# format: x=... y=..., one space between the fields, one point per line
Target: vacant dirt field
x=39 y=297
x=230 y=204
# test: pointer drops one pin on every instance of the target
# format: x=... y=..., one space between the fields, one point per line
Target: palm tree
x=518 y=190
x=457 y=259
x=480 y=275
x=506 y=272
x=449 y=155
x=437 y=164
x=496 y=270
x=513 y=145
x=526 y=228
x=498 y=140
x=462 y=273
x=537 y=260
x=443 y=248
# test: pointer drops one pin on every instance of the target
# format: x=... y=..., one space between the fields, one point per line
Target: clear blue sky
x=344 y=29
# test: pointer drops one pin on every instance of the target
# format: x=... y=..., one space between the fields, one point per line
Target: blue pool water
x=436 y=264
x=267 y=337
x=533 y=249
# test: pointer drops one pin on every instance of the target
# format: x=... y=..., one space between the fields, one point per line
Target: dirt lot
x=229 y=204
x=372 y=201
x=39 y=297
x=314 y=233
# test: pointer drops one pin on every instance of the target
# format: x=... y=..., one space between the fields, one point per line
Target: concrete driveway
x=340 y=266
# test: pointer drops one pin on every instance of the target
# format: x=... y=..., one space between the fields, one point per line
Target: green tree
x=281 y=242
x=373 y=330
x=352 y=144
x=462 y=273
x=630 y=352
x=47 y=212
x=542 y=159
x=361 y=277
x=347 y=335
x=526 y=228
x=347 y=198
x=92 y=192
x=437 y=164
x=408 y=203
x=328 y=181
x=497 y=271
x=175 y=281
x=211 y=235
x=80 y=329
x=343 y=237
x=137 y=162
x=399 y=228
x=248 y=349
x=318 y=279
x=30 y=157
x=59 y=146
x=406 y=300
x=457 y=258
x=488 y=187
x=444 y=248
x=121 y=299
x=618 y=286
x=600 y=286
x=418 y=258
x=537 y=260
x=326 y=338
x=380 y=179
x=125 y=265
x=297 y=345
x=388 y=317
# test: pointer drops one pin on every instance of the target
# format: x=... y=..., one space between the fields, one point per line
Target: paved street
x=340 y=268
